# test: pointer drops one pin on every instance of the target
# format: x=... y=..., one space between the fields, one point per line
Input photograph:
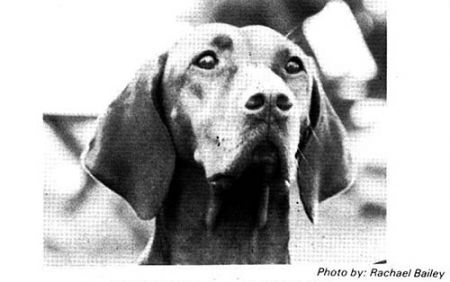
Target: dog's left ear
x=132 y=152
x=324 y=161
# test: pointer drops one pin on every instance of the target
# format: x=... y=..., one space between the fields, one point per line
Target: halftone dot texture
x=103 y=230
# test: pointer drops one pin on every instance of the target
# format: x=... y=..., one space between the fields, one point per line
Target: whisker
x=211 y=18
x=302 y=155
x=292 y=31
x=316 y=137
x=306 y=161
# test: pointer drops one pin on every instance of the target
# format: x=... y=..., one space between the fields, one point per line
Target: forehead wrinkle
x=281 y=55
x=222 y=42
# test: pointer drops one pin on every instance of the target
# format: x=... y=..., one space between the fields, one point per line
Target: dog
x=209 y=138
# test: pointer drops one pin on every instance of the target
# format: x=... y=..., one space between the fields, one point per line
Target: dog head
x=226 y=98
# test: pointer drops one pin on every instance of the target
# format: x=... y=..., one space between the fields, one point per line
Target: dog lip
x=219 y=178
x=265 y=153
x=260 y=154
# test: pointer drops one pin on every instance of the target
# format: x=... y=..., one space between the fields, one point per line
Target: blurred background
x=98 y=46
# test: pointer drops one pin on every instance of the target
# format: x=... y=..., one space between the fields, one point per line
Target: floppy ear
x=131 y=152
x=325 y=166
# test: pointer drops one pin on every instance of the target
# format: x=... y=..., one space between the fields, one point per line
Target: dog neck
x=237 y=235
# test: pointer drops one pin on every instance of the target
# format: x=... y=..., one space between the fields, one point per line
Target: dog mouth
x=267 y=151
x=260 y=154
x=242 y=183
x=255 y=177
x=265 y=154
x=230 y=155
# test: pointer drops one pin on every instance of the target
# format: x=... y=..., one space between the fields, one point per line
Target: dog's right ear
x=132 y=152
x=325 y=164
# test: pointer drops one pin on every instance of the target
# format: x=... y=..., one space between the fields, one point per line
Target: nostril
x=283 y=102
x=255 y=102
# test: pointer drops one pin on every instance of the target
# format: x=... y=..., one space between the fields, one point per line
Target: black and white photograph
x=226 y=140
x=253 y=133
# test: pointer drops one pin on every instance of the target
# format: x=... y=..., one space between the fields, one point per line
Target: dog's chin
x=265 y=154
x=259 y=170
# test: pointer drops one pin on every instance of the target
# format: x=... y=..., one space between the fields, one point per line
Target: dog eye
x=294 y=65
x=207 y=60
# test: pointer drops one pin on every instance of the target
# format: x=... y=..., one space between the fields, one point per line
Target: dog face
x=234 y=92
x=226 y=98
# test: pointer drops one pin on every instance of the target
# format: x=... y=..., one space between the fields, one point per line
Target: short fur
x=195 y=147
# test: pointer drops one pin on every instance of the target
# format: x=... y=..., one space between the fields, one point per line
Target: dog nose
x=283 y=102
x=260 y=101
x=256 y=102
